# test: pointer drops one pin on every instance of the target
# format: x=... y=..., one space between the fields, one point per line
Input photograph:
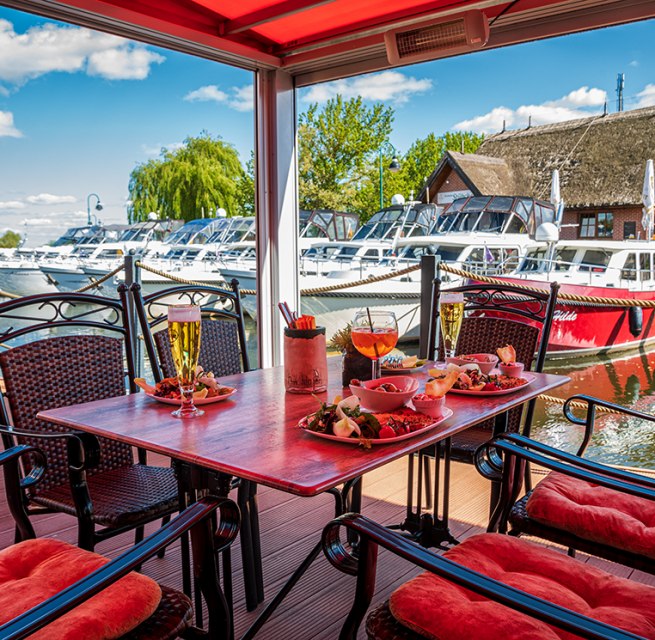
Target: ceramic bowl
x=512 y=370
x=383 y=401
x=433 y=407
x=486 y=361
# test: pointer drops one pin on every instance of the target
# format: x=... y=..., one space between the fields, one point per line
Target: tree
x=201 y=176
x=10 y=240
x=424 y=155
x=246 y=188
x=337 y=150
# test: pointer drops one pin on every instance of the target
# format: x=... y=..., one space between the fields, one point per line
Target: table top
x=255 y=435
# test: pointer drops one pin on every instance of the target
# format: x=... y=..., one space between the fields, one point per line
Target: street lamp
x=394 y=167
x=98 y=206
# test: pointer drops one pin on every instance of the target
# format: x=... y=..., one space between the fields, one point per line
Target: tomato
x=490 y=386
x=386 y=432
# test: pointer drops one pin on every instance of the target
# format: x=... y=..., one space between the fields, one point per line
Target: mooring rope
x=165 y=274
x=576 y=404
x=99 y=281
x=595 y=300
x=11 y=296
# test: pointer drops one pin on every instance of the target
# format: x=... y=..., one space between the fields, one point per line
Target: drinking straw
x=284 y=309
x=370 y=323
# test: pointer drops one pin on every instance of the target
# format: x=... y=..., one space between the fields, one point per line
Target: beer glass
x=451 y=312
x=374 y=335
x=184 y=334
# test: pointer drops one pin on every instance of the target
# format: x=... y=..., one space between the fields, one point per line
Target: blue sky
x=79 y=109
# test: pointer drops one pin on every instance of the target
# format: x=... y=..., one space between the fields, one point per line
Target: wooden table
x=254 y=435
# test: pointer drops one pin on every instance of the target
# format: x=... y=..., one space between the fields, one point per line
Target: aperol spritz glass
x=374 y=335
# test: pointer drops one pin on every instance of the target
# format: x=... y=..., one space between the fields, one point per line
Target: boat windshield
x=404 y=221
x=445 y=252
x=76 y=235
x=331 y=225
x=240 y=230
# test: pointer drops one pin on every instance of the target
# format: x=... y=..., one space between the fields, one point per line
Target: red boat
x=601 y=269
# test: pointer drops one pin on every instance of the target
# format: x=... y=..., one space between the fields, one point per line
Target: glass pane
x=595 y=261
x=629 y=268
x=644 y=266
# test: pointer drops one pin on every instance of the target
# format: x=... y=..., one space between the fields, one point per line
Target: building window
x=629 y=230
x=597 y=225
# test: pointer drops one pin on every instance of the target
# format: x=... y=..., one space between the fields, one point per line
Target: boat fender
x=636 y=320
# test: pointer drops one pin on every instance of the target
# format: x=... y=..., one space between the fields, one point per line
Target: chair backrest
x=499 y=315
x=223 y=336
x=63 y=349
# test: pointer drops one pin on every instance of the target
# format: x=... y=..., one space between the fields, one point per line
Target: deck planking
x=290 y=527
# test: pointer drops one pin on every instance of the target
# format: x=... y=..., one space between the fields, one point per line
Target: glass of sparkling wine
x=374 y=335
x=184 y=334
x=451 y=312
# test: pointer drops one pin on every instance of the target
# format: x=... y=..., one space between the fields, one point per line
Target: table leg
x=250 y=545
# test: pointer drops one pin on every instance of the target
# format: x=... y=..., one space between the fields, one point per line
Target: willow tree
x=185 y=183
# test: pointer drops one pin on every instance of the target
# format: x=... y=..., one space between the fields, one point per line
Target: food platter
x=198 y=402
x=528 y=377
x=374 y=441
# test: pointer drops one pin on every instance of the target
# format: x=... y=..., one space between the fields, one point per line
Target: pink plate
x=198 y=403
x=529 y=378
x=446 y=414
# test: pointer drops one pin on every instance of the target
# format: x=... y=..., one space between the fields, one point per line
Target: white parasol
x=556 y=197
x=648 y=198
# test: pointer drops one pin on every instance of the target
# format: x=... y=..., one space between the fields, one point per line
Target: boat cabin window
x=645 y=266
x=372 y=255
x=629 y=271
x=564 y=259
x=501 y=203
x=110 y=253
x=595 y=261
x=491 y=222
x=533 y=260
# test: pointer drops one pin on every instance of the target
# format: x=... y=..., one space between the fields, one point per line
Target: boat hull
x=582 y=328
x=25 y=281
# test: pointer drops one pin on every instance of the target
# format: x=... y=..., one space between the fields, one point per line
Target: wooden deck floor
x=290 y=528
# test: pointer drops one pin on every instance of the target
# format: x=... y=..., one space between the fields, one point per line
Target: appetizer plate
x=446 y=414
x=529 y=378
x=389 y=371
x=198 y=403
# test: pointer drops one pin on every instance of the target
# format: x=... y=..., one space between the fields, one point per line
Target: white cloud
x=388 y=86
x=124 y=63
x=581 y=103
x=49 y=47
x=11 y=205
x=36 y=222
x=239 y=98
x=646 y=97
x=208 y=93
x=634 y=63
x=49 y=199
x=242 y=98
x=7 y=128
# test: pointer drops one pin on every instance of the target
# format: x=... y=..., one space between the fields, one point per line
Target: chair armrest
x=44 y=613
x=10 y=458
x=567 y=463
x=511 y=597
x=590 y=417
x=83 y=448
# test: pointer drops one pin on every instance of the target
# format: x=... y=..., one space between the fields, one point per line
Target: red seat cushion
x=439 y=609
x=34 y=570
x=595 y=513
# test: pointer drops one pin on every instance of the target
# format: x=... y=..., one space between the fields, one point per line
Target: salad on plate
x=207 y=386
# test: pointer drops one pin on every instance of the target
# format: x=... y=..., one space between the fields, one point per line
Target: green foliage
x=339 y=157
x=202 y=175
x=337 y=148
x=246 y=188
x=10 y=240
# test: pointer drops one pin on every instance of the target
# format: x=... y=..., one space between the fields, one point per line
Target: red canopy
x=318 y=40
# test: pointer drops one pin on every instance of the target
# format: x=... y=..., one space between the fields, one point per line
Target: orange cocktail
x=374 y=344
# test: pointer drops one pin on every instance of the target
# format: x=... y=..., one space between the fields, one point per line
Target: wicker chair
x=174 y=614
x=496 y=315
x=616 y=548
x=52 y=362
x=223 y=352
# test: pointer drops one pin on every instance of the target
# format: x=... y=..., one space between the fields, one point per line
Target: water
x=625 y=380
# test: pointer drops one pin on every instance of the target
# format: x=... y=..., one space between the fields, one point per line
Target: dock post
x=428 y=273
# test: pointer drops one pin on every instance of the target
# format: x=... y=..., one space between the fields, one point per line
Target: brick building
x=601 y=161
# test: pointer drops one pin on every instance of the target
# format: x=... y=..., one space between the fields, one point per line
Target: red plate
x=198 y=403
x=529 y=378
x=446 y=414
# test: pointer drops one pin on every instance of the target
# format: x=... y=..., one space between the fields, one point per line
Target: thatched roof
x=601 y=160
